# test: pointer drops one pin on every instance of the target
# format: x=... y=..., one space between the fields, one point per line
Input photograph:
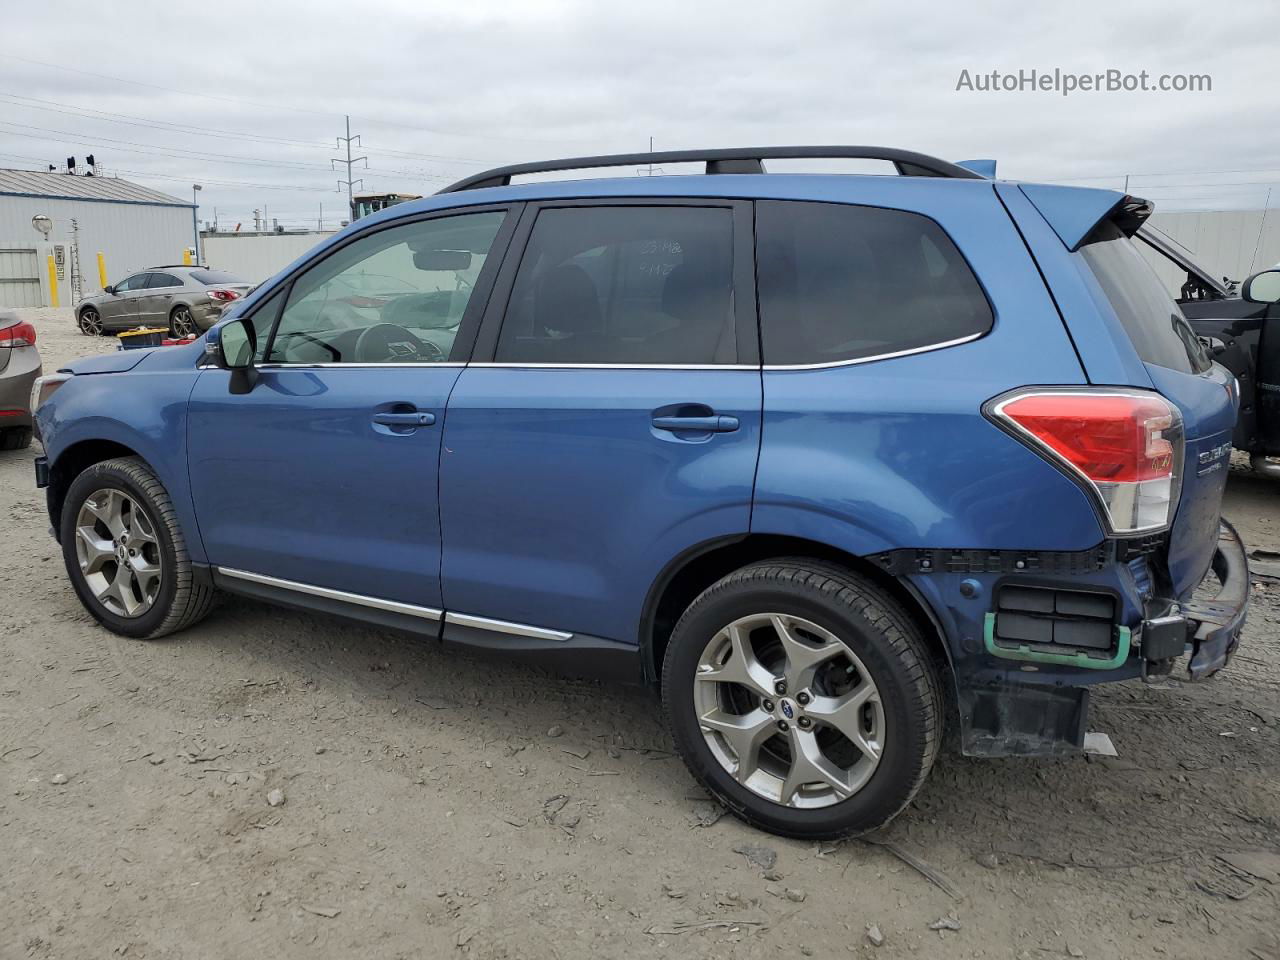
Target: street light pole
x=195 y=222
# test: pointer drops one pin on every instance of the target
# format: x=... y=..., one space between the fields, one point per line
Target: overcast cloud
x=437 y=92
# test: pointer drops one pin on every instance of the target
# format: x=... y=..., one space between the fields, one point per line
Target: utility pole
x=650 y=170
x=348 y=140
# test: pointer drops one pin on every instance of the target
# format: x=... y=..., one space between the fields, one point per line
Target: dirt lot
x=438 y=805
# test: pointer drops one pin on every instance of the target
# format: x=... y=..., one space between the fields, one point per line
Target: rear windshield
x=1155 y=324
x=211 y=277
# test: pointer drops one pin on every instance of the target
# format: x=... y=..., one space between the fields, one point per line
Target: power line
x=70 y=109
x=165 y=151
x=157 y=86
x=1179 y=173
x=74 y=110
x=130 y=146
x=260 y=104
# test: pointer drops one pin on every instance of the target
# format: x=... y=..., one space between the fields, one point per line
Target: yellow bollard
x=53 y=282
x=186 y=257
x=102 y=270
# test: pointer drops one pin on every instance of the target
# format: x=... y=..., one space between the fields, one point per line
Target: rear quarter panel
x=896 y=452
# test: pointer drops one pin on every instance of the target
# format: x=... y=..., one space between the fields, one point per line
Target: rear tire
x=15 y=438
x=872 y=660
x=101 y=550
x=181 y=323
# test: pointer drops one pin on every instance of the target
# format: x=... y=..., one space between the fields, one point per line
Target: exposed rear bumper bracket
x=1216 y=624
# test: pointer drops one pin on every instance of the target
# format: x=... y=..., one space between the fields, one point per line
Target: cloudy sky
x=246 y=98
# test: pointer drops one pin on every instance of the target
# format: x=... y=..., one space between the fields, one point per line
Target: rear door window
x=1155 y=324
x=162 y=280
x=624 y=285
x=839 y=283
x=211 y=277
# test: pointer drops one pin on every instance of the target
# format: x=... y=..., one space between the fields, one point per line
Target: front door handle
x=405 y=419
x=717 y=423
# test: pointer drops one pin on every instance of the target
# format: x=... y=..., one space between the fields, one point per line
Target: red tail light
x=18 y=335
x=1126 y=445
x=223 y=296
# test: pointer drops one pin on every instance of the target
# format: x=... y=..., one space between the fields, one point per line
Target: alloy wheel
x=789 y=710
x=119 y=553
x=90 y=323
x=181 y=324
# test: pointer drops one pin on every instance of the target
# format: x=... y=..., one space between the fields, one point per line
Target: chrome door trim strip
x=392 y=606
x=733 y=366
x=505 y=626
x=878 y=356
x=618 y=366
x=359 y=366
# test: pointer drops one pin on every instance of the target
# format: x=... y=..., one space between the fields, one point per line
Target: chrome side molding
x=395 y=606
x=505 y=626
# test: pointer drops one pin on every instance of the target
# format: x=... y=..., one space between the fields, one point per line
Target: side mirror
x=230 y=346
x=109 y=289
x=1263 y=287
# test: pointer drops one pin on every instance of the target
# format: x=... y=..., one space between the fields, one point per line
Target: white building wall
x=255 y=258
x=1229 y=243
x=130 y=235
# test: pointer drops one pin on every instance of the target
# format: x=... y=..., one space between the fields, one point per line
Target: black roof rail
x=730 y=160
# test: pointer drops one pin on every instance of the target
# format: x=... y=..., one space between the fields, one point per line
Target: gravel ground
x=436 y=804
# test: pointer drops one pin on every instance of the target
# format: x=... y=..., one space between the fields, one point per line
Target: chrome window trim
x=393 y=606
x=505 y=626
x=617 y=366
x=363 y=366
x=878 y=356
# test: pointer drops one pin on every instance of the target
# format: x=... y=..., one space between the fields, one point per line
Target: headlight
x=44 y=387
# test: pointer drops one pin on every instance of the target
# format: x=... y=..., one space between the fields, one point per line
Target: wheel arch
x=72 y=462
x=698 y=567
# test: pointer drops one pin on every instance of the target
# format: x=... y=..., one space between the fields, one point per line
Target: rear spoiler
x=983 y=168
x=1076 y=212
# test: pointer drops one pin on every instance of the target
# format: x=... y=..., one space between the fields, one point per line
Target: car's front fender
x=144 y=411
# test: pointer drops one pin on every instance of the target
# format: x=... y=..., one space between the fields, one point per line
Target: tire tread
x=897 y=629
x=192 y=600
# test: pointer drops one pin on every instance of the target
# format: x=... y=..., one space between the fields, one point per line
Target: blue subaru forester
x=835 y=461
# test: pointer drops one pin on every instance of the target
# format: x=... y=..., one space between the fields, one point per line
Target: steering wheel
x=391 y=343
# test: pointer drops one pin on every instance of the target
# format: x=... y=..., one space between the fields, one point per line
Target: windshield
x=1155 y=324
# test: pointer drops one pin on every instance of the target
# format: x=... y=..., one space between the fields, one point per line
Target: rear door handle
x=405 y=419
x=717 y=423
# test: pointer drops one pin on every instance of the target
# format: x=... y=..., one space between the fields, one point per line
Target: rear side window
x=163 y=280
x=839 y=283
x=1155 y=324
x=211 y=277
x=622 y=285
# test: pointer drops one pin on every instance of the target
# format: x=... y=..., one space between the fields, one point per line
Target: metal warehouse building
x=131 y=226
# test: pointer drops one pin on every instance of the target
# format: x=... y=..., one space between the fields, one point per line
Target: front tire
x=804 y=697
x=125 y=553
x=90 y=322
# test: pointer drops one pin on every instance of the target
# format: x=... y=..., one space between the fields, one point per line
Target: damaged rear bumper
x=1033 y=714
x=1213 y=626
